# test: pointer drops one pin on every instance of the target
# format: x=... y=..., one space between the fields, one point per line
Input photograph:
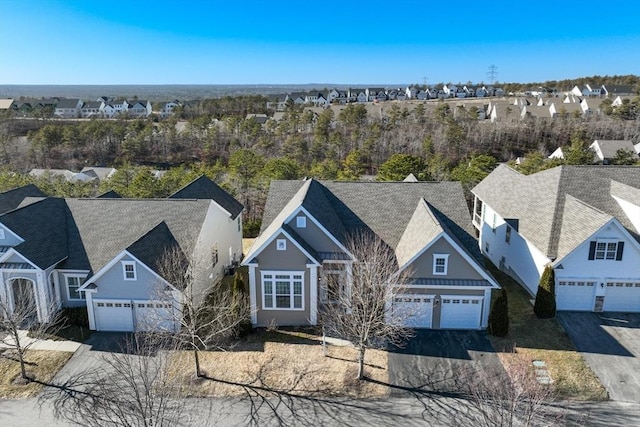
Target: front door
x=24 y=299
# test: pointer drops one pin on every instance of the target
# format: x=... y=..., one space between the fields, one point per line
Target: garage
x=154 y=316
x=415 y=310
x=575 y=295
x=113 y=315
x=460 y=312
x=130 y=316
x=622 y=296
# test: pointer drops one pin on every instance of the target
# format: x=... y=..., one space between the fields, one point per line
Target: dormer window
x=281 y=244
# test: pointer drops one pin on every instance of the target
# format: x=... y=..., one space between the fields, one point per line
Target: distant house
x=358 y=95
x=67 y=108
x=617 y=90
x=258 y=118
x=606 y=150
x=277 y=102
x=138 y=108
x=91 y=109
x=99 y=173
x=65 y=174
x=6 y=104
x=165 y=109
x=411 y=92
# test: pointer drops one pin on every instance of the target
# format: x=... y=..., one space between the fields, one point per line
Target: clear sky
x=324 y=41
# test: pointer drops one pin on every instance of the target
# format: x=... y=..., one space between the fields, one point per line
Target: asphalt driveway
x=610 y=344
x=441 y=361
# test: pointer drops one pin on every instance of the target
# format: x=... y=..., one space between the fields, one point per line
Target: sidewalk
x=37 y=344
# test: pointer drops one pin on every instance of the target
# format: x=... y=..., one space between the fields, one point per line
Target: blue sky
x=342 y=42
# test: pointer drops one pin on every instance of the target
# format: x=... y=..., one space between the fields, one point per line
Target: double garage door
x=456 y=311
x=581 y=296
x=133 y=316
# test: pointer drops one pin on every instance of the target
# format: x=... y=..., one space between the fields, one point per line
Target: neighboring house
x=557 y=154
x=584 y=221
x=138 y=108
x=99 y=173
x=9 y=200
x=606 y=150
x=6 y=104
x=65 y=174
x=277 y=102
x=617 y=90
x=107 y=254
x=300 y=259
x=165 y=109
x=260 y=118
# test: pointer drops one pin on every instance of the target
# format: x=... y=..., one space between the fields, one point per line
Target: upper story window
x=281 y=244
x=129 y=270
x=440 y=264
x=301 y=222
x=74 y=281
x=507 y=234
x=606 y=250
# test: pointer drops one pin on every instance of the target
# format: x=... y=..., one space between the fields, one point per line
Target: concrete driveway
x=610 y=344
x=441 y=361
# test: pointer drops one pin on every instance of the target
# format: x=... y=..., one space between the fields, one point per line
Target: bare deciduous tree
x=19 y=313
x=205 y=321
x=364 y=314
x=131 y=388
x=509 y=396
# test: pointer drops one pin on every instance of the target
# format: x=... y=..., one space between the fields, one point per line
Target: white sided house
x=582 y=220
x=110 y=254
x=300 y=260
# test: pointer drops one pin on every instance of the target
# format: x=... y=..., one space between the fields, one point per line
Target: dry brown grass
x=297 y=366
x=246 y=244
x=544 y=339
x=42 y=364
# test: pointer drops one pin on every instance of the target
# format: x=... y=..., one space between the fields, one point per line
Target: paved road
x=441 y=360
x=394 y=411
x=610 y=344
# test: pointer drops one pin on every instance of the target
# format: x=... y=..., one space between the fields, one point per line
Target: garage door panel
x=113 y=315
x=460 y=312
x=416 y=311
x=575 y=295
x=154 y=316
x=622 y=297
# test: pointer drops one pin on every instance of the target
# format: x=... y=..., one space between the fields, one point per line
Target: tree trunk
x=196 y=359
x=361 y=351
x=23 y=369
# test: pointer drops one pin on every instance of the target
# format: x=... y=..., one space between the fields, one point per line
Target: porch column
x=41 y=295
x=313 y=293
x=253 y=285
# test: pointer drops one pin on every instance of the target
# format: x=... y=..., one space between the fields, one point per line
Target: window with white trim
x=129 y=270
x=606 y=250
x=281 y=244
x=440 y=264
x=282 y=290
x=301 y=222
x=74 y=281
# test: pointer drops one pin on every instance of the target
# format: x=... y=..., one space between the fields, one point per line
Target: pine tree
x=499 y=316
x=545 y=305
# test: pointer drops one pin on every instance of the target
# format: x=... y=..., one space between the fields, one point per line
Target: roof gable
x=10 y=200
x=204 y=188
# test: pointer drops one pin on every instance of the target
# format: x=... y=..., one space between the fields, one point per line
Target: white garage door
x=416 y=311
x=154 y=316
x=575 y=295
x=622 y=296
x=460 y=312
x=113 y=315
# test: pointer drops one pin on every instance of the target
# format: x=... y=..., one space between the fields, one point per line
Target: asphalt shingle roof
x=10 y=200
x=537 y=201
x=203 y=188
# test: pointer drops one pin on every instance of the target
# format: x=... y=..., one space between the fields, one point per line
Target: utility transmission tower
x=492 y=74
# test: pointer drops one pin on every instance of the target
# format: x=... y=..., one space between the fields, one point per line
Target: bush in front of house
x=545 y=305
x=499 y=316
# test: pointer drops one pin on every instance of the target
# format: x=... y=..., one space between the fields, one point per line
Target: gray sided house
x=110 y=254
x=300 y=259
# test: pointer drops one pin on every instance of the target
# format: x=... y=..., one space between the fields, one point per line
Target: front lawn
x=41 y=364
x=544 y=339
x=282 y=362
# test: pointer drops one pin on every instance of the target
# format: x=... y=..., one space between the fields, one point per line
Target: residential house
x=65 y=174
x=165 y=109
x=68 y=108
x=337 y=96
x=6 y=104
x=358 y=95
x=277 y=102
x=98 y=172
x=606 y=150
x=138 y=108
x=617 y=90
x=91 y=109
x=584 y=221
x=109 y=254
x=301 y=259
